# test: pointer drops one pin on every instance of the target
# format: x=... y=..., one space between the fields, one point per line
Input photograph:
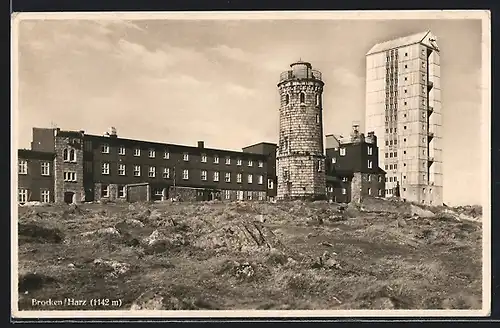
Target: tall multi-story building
x=300 y=157
x=403 y=108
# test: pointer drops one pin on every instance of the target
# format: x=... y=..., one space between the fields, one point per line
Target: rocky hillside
x=250 y=255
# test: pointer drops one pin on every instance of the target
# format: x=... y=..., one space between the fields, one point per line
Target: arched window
x=72 y=155
x=287 y=99
x=302 y=97
x=65 y=155
x=317 y=99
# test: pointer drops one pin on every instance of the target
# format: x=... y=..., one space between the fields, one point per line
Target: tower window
x=287 y=99
x=317 y=118
x=342 y=151
x=302 y=97
x=317 y=99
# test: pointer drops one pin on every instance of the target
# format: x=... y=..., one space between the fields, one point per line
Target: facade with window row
x=352 y=170
x=78 y=167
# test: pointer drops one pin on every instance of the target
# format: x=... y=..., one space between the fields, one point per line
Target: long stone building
x=403 y=108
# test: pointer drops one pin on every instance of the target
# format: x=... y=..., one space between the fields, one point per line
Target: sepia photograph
x=251 y=164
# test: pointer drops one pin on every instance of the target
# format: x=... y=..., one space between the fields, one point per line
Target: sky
x=180 y=81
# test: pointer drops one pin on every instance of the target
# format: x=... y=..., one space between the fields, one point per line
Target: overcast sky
x=183 y=81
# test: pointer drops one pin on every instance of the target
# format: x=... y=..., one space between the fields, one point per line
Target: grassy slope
x=208 y=257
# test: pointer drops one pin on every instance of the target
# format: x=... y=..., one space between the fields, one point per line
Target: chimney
x=112 y=132
x=201 y=144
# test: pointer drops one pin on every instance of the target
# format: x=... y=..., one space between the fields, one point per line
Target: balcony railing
x=301 y=74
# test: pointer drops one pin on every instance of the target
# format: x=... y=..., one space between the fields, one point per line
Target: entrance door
x=68 y=197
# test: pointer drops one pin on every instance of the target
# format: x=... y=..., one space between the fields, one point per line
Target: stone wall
x=300 y=149
x=138 y=193
x=185 y=193
x=73 y=141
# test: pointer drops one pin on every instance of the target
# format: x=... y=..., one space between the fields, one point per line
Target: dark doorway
x=68 y=197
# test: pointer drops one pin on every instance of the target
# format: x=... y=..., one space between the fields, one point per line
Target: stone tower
x=300 y=156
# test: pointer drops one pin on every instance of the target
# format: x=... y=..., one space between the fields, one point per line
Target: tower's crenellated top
x=301 y=70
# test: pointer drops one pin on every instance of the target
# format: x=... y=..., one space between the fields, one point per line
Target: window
x=406 y=79
x=395 y=154
x=216 y=176
x=152 y=153
x=406 y=91
x=370 y=151
x=369 y=191
x=137 y=170
x=395 y=142
x=23 y=195
x=203 y=175
x=342 y=151
x=228 y=160
x=380 y=192
x=317 y=99
x=261 y=196
x=69 y=176
x=386 y=155
x=69 y=155
x=249 y=195
x=166 y=173
x=317 y=118
x=390 y=179
x=152 y=172
x=369 y=178
x=216 y=159
x=23 y=167
x=344 y=179
x=406 y=66
x=406 y=54
x=404 y=127
x=250 y=178
x=227 y=194
x=185 y=156
x=395 y=166
x=250 y=162
x=334 y=160
x=203 y=158
x=238 y=162
x=406 y=103
x=166 y=154
x=121 y=150
x=270 y=184
x=105 y=148
x=45 y=195
x=105 y=191
x=121 y=169
x=227 y=177
x=185 y=174
x=386 y=167
x=287 y=99
x=121 y=191
x=379 y=178
x=105 y=168
x=238 y=178
x=260 y=179
x=261 y=164
x=344 y=191
x=137 y=152
x=302 y=97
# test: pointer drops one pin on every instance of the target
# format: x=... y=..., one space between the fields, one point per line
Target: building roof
x=35 y=154
x=175 y=147
x=421 y=37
